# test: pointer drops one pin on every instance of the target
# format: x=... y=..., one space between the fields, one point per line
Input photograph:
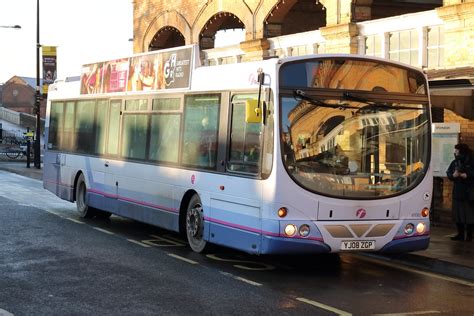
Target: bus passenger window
x=113 y=127
x=84 y=123
x=164 y=136
x=201 y=123
x=55 y=125
x=245 y=142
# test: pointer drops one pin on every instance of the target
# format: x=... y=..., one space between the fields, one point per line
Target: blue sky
x=83 y=30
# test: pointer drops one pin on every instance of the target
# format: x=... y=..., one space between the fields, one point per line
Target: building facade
x=435 y=35
x=18 y=94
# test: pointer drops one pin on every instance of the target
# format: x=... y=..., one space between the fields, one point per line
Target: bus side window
x=113 y=127
x=245 y=142
x=201 y=124
x=55 y=125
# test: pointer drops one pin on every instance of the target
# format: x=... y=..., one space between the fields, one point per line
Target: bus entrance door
x=111 y=186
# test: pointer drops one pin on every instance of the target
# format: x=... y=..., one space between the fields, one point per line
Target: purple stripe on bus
x=114 y=196
x=57 y=183
x=415 y=235
x=254 y=230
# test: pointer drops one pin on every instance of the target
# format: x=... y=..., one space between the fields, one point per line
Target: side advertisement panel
x=169 y=69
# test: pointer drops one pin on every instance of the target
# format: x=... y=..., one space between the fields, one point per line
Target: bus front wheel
x=195 y=224
x=85 y=211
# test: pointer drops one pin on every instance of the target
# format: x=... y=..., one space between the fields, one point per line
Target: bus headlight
x=420 y=228
x=290 y=230
x=409 y=228
x=304 y=230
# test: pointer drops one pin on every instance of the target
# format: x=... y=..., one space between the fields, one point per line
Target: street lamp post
x=37 y=144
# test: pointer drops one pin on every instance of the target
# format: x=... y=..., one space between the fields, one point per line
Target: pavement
x=444 y=256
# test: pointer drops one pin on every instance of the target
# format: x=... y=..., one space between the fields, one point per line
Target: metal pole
x=37 y=145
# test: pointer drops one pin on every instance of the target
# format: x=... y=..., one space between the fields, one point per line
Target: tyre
x=195 y=224
x=85 y=211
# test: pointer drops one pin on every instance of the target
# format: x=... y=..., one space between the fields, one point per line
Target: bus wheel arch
x=78 y=174
x=182 y=211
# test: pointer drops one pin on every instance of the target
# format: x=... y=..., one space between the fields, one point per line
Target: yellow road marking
x=409 y=313
x=323 y=306
x=182 y=258
x=138 y=243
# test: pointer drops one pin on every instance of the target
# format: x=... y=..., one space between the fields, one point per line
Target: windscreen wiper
x=300 y=94
x=376 y=105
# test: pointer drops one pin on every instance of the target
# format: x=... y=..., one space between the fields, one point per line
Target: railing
x=10 y=116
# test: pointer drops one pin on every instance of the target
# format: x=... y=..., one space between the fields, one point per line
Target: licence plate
x=357 y=244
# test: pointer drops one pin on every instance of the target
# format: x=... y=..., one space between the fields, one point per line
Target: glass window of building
x=299 y=50
x=403 y=47
x=373 y=45
x=435 y=46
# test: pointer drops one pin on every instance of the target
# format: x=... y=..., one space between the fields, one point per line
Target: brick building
x=435 y=35
x=18 y=94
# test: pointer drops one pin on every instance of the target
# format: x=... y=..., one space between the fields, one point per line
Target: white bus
x=309 y=154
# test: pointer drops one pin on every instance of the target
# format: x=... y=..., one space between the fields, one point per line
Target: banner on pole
x=49 y=66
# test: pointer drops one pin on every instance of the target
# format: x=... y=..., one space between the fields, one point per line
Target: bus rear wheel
x=195 y=224
x=85 y=211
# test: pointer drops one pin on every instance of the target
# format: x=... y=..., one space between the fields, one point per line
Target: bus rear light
x=290 y=230
x=409 y=229
x=425 y=212
x=304 y=230
x=420 y=228
x=282 y=212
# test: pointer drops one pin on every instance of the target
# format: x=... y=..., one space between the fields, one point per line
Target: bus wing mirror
x=253 y=112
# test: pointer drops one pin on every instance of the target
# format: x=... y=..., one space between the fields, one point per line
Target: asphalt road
x=54 y=263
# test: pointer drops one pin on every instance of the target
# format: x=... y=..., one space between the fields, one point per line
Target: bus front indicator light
x=304 y=230
x=420 y=228
x=282 y=212
x=425 y=212
x=409 y=228
x=290 y=230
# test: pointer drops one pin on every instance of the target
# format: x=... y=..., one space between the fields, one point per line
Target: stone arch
x=166 y=19
x=272 y=17
x=214 y=8
x=166 y=37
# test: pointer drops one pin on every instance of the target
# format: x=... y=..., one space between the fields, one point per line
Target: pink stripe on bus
x=254 y=230
x=114 y=196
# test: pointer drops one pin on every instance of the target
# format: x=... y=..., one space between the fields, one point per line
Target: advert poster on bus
x=150 y=72
x=104 y=77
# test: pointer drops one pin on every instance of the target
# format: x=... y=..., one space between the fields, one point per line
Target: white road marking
x=73 y=220
x=138 y=243
x=103 y=230
x=323 y=306
x=248 y=281
x=182 y=258
x=409 y=313
x=241 y=279
x=5 y=313
x=414 y=270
